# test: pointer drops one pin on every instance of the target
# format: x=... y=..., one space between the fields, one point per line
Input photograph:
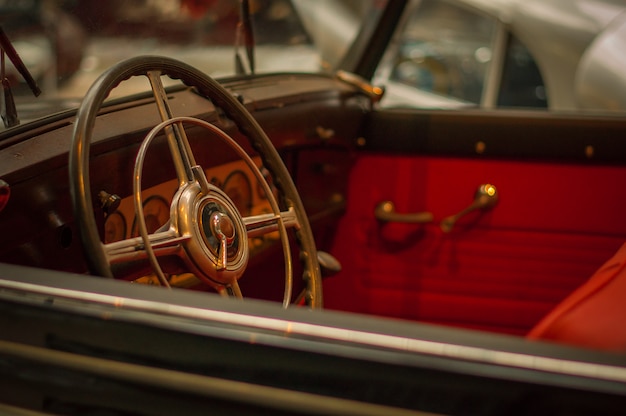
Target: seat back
x=594 y=315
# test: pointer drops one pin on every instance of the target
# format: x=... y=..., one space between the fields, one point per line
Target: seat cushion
x=594 y=315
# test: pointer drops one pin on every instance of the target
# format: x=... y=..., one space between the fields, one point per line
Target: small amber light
x=491 y=190
x=5 y=194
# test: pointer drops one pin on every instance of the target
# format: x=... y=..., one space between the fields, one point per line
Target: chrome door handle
x=386 y=212
x=486 y=198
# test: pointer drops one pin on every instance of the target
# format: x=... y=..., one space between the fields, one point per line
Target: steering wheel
x=205 y=229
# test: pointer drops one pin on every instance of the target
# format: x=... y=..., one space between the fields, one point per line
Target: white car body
x=578 y=46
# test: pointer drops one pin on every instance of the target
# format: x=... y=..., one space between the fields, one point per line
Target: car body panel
x=100 y=345
x=599 y=84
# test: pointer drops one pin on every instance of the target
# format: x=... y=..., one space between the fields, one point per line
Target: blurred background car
x=558 y=54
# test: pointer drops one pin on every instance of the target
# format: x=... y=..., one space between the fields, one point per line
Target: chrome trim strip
x=290 y=328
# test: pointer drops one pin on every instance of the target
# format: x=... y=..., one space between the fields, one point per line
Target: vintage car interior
x=489 y=242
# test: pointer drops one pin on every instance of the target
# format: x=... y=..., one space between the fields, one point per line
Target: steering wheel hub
x=218 y=249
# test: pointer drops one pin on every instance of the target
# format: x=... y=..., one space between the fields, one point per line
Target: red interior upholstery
x=502 y=271
x=594 y=315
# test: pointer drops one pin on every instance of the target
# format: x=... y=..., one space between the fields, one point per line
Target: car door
x=558 y=215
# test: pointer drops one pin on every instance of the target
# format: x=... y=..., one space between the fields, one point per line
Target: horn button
x=222 y=227
x=218 y=231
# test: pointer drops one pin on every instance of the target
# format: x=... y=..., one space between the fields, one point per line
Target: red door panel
x=500 y=270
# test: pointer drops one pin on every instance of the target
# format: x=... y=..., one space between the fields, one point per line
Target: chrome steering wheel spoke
x=259 y=225
x=175 y=133
x=164 y=243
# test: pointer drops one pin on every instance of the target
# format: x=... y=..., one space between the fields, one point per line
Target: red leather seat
x=594 y=315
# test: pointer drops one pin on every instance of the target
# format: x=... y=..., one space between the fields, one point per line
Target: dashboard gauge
x=156 y=211
x=237 y=187
x=114 y=227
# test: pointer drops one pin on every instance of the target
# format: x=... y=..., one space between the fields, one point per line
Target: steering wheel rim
x=79 y=155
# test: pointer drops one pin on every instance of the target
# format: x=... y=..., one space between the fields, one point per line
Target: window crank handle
x=485 y=198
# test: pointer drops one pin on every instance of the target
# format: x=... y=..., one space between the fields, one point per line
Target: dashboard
x=312 y=121
x=234 y=178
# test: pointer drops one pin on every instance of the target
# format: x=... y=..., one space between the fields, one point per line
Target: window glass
x=443 y=49
x=522 y=84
